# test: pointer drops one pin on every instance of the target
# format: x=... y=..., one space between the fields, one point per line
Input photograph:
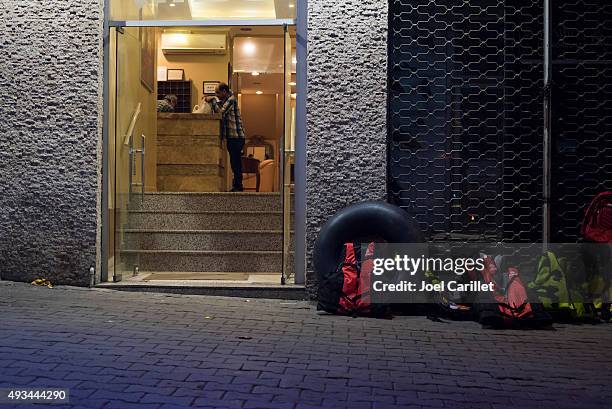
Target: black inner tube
x=363 y=222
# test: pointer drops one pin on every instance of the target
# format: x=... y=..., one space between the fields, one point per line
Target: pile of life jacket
x=346 y=290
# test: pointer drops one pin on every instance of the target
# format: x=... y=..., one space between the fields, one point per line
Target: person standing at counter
x=231 y=129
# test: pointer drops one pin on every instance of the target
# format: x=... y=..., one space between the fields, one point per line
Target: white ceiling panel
x=260 y=54
x=232 y=9
x=166 y=10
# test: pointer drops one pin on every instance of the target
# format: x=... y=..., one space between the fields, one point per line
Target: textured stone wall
x=50 y=132
x=347 y=108
x=50 y=127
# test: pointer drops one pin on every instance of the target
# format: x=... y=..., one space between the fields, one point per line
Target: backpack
x=508 y=306
x=597 y=224
x=446 y=304
x=564 y=302
x=346 y=291
x=597 y=228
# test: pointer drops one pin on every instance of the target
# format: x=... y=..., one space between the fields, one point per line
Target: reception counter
x=190 y=154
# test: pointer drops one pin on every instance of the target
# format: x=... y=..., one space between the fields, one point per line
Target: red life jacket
x=512 y=301
x=346 y=291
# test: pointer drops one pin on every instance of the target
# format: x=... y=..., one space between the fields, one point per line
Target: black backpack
x=346 y=290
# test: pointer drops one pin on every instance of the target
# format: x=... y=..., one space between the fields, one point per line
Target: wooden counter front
x=190 y=154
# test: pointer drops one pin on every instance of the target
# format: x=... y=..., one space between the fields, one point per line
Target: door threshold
x=212 y=288
x=216 y=277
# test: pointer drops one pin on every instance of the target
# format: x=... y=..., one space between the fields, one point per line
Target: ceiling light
x=171 y=5
x=259 y=92
x=293 y=84
x=249 y=48
x=291 y=6
x=294 y=60
x=254 y=73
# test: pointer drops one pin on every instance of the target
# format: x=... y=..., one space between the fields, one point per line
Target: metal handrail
x=130 y=131
x=142 y=153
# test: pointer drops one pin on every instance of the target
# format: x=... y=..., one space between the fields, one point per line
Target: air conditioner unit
x=193 y=43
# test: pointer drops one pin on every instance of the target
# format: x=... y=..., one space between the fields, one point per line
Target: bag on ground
x=509 y=306
x=346 y=291
x=597 y=224
x=597 y=228
x=564 y=301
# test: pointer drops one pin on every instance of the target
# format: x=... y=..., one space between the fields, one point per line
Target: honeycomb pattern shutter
x=466 y=115
x=581 y=111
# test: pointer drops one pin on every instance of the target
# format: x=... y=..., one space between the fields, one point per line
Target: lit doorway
x=190 y=241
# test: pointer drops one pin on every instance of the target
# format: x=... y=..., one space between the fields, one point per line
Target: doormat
x=198 y=276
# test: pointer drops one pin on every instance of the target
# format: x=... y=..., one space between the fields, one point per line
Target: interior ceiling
x=259 y=54
x=256 y=49
x=226 y=9
x=232 y=9
x=265 y=83
x=237 y=31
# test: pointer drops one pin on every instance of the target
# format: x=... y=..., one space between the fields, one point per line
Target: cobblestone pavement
x=132 y=350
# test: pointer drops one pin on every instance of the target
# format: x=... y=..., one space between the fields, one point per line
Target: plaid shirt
x=231 y=122
x=164 y=106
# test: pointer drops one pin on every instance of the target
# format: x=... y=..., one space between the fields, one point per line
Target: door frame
x=300 y=23
x=200 y=23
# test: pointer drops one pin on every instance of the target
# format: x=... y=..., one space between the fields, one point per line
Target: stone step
x=203 y=202
x=210 y=240
x=266 y=290
x=208 y=261
x=207 y=275
x=213 y=220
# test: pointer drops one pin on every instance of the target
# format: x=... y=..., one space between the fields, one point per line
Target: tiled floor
x=191 y=278
x=134 y=350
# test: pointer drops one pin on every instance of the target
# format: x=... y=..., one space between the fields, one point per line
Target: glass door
x=132 y=135
x=128 y=143
x=288 y=156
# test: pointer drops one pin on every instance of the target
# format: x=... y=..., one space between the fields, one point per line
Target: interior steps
x=206 y=220
x=215 y=236
x=216 y=240
x=202 y=202
x=259 y=277
x=206 y=261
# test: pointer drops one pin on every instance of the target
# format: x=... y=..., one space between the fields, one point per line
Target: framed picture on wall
x=162 y=73
x=209 y=87
x=147 y=57
x=175 y=74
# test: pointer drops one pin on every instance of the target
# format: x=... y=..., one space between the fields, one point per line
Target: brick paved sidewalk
x=131 y=350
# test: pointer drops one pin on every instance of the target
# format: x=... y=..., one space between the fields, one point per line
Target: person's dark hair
x=171 y=98
x=224 y=87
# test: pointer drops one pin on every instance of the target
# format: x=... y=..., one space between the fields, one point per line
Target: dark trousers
x=234 y=147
